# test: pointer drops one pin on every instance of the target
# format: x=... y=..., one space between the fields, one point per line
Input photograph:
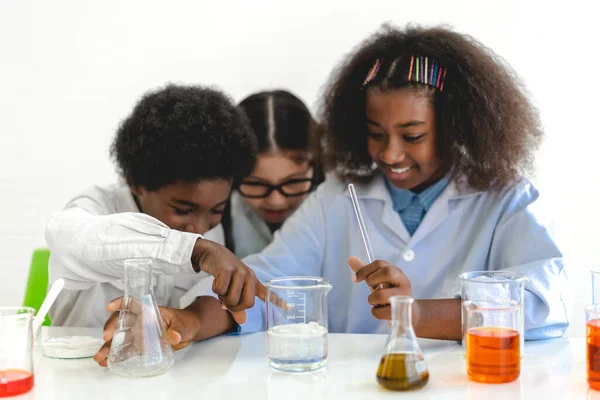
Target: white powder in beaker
x=297 y=342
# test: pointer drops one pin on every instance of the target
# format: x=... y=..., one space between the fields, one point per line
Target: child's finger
x=279 y=302
x=249 y=292
x=221 y=283
x=355 y=263
x=382 y=297
x=173 y=337
x=363 y=273
x=234 y=292
x=115 y=304
x=388 y=276
x=261 y=290
x=180 y=345
x=382 y=312
x=109 y=326
x=239 y=317
x=101 y=357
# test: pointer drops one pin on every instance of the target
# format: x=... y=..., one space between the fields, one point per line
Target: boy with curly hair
x=179 y=152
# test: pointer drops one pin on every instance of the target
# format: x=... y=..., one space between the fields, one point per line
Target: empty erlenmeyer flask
x=139 y=347
x=402 y=366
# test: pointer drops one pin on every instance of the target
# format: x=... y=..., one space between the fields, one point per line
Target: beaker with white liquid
x=297 y=332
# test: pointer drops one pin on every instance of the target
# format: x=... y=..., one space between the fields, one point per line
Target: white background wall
x=70 y=70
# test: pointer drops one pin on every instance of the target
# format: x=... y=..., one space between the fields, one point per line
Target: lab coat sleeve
x=88 y=245
x=524 y=245
x=297 y=249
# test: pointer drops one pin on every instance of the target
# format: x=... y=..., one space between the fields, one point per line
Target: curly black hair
x=487 y=128
x=183 y=133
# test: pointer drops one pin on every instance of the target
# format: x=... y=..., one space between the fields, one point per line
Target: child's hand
x=235 y=283
x=391 y=278
x=181 y=327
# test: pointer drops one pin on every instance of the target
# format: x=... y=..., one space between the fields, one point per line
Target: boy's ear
x=137 y=190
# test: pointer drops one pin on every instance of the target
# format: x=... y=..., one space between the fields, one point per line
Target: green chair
x=37 y=283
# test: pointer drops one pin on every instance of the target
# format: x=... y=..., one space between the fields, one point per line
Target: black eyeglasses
x=291 y=188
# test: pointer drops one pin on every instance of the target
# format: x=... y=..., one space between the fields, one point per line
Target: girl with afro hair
x=436 y=132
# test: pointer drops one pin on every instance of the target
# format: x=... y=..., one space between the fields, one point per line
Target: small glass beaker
x=139 y=346
x=493 y=343
x=494 y=289
x=402 y=366
x=16 y=350
x=297 y=333
x=592 y=336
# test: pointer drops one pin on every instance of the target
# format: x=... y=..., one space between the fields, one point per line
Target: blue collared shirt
x=411 y=206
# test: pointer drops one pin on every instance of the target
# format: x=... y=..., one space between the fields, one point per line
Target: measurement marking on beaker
x=303 y=307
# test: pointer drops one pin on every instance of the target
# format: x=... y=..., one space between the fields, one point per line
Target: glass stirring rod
x=361 y=226
x=364 y=234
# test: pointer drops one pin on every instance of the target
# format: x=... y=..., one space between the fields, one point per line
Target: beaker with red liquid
x=16 y=350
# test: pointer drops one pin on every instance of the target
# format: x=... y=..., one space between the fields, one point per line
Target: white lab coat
x=249 y=230
x=464 y=230
x=89 y=241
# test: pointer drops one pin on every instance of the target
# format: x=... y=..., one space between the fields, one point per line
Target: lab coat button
x=408 y=255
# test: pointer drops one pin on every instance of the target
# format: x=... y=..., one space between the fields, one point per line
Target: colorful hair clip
x=372 y=72
x=431 y=72
x=421 y=70
x=443 y=78
x=426 y=71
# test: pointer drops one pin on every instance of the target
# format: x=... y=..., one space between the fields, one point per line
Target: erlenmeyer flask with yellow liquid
x=402 y=366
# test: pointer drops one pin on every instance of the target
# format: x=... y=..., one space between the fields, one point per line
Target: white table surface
x=235 y=368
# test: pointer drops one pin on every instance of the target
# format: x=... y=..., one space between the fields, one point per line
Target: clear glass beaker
x=297 y=333
x=493 y=343
x=592 y=336
x=139 y=346
x=493 y=289
x=402 y=366
x=16 y=350
x=595 y=276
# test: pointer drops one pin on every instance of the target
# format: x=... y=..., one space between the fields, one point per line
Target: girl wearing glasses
x=285 y=172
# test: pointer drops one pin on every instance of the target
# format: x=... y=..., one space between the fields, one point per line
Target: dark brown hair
x=487 y=128
x=280 y=120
